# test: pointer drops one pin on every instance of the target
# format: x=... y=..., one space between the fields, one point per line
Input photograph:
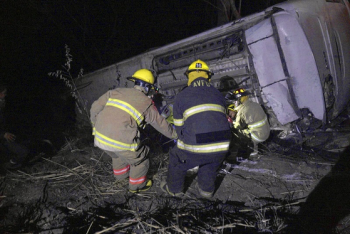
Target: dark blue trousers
x=180 y=161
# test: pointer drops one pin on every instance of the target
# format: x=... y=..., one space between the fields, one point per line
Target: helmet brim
x=210 y=73
x=230 y=96
x=131 y=78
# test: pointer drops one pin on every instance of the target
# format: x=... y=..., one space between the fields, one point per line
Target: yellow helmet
x=236 y=94
x=199 y=65
x=231 y=107
x=240 y=92
x=144 y=75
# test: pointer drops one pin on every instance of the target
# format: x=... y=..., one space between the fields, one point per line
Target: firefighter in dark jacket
x=203 y=133
x=117 y=118
x=251 y=124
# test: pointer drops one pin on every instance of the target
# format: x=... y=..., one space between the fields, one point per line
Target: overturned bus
x=293 y=58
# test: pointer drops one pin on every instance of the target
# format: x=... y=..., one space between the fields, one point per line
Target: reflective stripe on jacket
x=252 y=117
x=200 y=119
x=117 y=115
x=127 y=108
x=197 y=109
x=208 y=148
x=113 y=143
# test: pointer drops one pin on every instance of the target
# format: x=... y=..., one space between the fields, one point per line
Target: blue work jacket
x=200 y=119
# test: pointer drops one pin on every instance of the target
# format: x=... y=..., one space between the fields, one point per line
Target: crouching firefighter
x=203 y=133
x=117 y=118
x=251 y=124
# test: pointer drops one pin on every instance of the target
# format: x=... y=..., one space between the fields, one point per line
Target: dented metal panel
x=269 y=69
x=301 y=65
x=286 y=67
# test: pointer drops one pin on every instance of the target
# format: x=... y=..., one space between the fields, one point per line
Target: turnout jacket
x=117 y=116
x=252 y=118
x=200 y=119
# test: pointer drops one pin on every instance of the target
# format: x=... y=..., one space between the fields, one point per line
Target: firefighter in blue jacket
x=203 y=133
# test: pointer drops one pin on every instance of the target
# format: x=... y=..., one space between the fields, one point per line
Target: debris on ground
x=74 y=191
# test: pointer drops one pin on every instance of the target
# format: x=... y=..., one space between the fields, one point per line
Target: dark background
x=99 y=33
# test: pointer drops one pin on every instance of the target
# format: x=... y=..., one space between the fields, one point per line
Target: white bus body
x=293 y=57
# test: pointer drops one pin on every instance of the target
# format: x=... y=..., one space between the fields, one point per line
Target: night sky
x=99 y=33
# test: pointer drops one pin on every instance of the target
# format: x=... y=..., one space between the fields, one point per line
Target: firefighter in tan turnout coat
x=251 y=122
x=117 y=117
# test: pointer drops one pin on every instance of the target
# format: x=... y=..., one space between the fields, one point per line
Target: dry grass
x=81 y=192
x=85 y=171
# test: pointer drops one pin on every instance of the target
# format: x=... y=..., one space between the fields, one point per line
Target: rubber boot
x=255 y=154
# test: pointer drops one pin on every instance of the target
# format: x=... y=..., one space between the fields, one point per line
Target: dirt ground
x=293 y=188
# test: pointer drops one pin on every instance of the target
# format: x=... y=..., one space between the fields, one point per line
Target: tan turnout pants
x=131 y=164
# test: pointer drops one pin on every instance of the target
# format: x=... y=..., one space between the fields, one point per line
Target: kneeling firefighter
x=203 y=133
x=251 y=122
x=117 y=118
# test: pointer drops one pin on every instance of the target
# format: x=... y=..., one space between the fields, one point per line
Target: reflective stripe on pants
x=139 y=164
